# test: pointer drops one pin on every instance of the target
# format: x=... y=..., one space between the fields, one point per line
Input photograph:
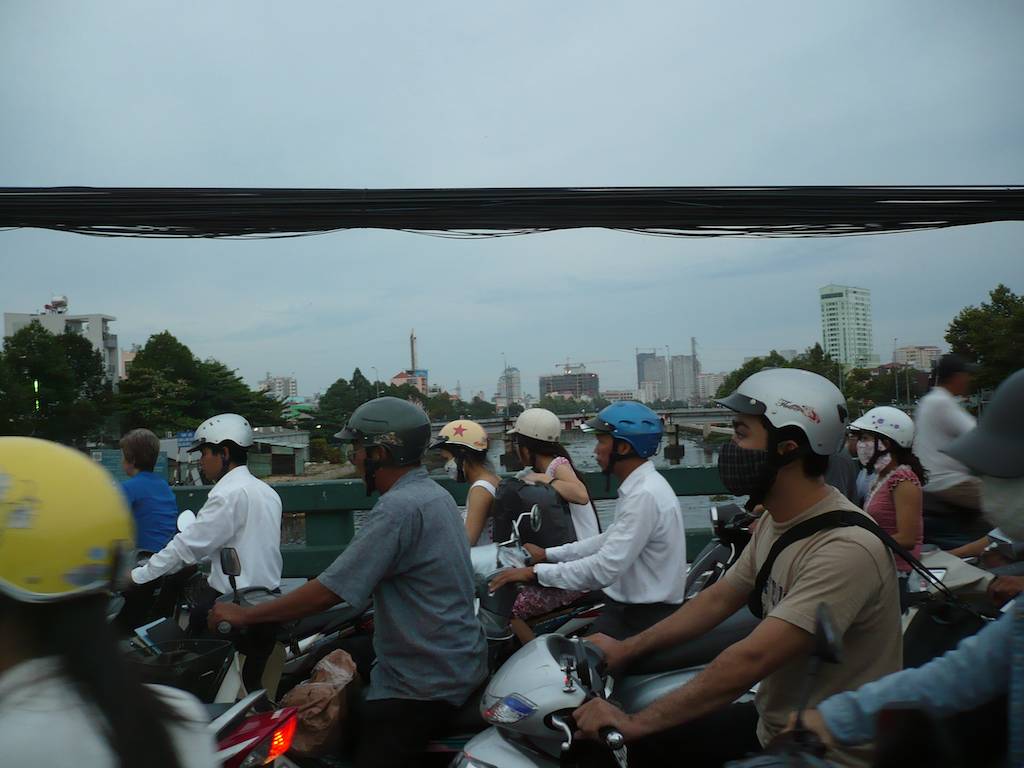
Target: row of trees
x=53 y=386
x=345 y=395
x=991 y=334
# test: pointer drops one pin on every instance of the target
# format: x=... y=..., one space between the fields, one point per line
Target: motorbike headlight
x=510 y=709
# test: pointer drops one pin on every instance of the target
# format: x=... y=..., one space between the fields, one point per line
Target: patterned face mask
x=745 y=472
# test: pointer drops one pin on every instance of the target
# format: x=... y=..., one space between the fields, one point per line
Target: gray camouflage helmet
x=388 y=422
x=996 y=446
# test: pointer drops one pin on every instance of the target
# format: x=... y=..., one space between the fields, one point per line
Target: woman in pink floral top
x=894 y=499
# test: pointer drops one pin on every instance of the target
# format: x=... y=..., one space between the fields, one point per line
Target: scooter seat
x=328 y=620
x=699 y=651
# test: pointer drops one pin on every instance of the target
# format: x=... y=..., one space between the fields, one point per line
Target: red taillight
x=281 y=739
x=259 y=740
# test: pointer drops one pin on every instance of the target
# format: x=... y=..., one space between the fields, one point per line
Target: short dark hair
x=950 y=365
x=813 y=464
x=237 y=455
x=141 y=448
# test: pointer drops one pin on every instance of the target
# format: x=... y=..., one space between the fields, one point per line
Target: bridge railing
x=319 y=515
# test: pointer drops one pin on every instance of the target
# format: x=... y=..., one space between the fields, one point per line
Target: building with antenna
x=55 y=319
x=413 y=375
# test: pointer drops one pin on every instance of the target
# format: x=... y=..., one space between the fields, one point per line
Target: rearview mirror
x=535 y=518
x=827 y=643
x=229 y=562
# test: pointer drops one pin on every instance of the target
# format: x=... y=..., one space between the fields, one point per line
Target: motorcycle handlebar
x=612 y=738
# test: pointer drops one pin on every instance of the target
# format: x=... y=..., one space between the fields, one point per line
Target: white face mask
x=1002 y=500
x=866 y=451
x=452 y=469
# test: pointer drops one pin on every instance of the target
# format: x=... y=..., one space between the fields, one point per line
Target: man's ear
x=787 y=446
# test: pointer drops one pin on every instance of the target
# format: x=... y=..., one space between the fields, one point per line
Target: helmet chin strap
x=613 y=457
x=370 y=467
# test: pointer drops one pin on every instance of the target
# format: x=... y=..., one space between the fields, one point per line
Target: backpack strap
x=839 y=518
x=799 y=531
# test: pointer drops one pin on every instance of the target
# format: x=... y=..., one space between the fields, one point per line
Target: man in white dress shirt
x=241 y=511
x=640 y=560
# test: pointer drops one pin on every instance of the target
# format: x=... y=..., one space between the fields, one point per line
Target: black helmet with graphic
x=400 y=427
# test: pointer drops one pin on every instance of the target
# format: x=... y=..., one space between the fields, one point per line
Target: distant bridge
x=697 y=419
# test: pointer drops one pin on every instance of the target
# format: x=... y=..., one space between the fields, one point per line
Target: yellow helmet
x=463 y=432
x=65 y=527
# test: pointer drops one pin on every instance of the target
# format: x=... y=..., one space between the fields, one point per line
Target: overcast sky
x=446 y=94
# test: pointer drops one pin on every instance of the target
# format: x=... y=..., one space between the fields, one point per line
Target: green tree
x=772 y=360
x=814 y=359
x=168 y=389
x=479 y=408
x=991 y=334
x=53 y=386
x=16 y=402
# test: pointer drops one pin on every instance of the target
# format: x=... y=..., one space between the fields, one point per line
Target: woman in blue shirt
x=153 y=505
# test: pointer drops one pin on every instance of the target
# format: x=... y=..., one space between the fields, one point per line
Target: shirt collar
x=636 y=477
x=234 y=477
x=409 y=477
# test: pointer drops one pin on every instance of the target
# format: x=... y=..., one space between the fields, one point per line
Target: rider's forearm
x=312 y=597
x=730 y=675
x=704 y=612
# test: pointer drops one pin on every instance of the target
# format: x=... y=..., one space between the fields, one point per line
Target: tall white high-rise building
x=846 y=325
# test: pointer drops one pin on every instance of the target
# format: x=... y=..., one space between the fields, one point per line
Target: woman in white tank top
x=464 y=444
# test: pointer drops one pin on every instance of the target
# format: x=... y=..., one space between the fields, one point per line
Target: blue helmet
x=633 y=422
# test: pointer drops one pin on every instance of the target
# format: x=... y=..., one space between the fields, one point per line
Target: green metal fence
x=326 y=507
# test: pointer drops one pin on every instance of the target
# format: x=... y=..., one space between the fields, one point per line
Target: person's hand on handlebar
x=597 y=714
x=524 y=575
x=225 y=612
x=537 y=554
x=815 y=723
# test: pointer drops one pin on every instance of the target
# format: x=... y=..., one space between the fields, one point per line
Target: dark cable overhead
x=501 y=212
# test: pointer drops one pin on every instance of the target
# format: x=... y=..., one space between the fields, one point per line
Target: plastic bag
x=322 y=705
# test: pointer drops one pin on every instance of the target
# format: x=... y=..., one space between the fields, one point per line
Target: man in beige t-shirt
x=788 y=423
x=851 y=571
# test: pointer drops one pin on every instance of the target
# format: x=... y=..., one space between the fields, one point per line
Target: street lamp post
x=376 y=379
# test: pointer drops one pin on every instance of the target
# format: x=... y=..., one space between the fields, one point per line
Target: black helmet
x=996 y=446
x=388 y=422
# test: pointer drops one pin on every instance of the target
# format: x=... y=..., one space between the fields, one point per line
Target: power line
x=765 y=212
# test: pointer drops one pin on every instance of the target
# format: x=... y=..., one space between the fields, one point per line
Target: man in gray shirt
x=412 y=557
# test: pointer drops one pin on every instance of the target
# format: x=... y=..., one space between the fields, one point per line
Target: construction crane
x=568 y=365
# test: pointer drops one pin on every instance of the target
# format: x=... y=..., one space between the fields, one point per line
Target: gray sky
x=327 y=94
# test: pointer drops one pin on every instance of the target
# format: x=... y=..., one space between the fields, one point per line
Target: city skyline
x=559 y=111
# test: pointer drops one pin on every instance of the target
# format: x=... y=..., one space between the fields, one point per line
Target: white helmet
x=225 y=426
x=889 y=422
x=791 y=397
x=538 y=423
